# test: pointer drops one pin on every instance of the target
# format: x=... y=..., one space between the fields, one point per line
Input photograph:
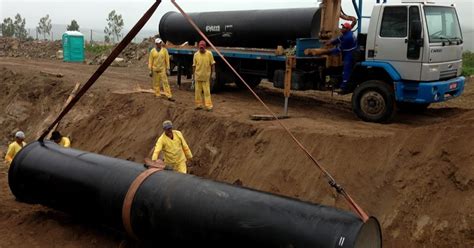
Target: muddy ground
x=416 y=175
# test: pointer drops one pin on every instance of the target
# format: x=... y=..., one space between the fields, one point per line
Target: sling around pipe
x=178 y=209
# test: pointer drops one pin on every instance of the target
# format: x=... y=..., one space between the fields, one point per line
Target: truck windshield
x=443 y=24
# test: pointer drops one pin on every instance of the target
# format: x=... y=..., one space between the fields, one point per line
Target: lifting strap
x=326 y=174
x=130 y=196
x=117 y=50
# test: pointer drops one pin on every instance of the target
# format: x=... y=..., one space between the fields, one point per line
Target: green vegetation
x=14 y=28
x=468 y=64
x=97 y=49
x=114 y=27
x=44 y=26
x=73 y=27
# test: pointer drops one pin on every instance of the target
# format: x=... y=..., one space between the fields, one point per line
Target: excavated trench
x=418 y=180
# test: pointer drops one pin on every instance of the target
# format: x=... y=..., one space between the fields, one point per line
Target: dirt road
x=415 y=175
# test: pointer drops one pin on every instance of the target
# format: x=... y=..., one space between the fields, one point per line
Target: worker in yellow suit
x=203 y=72
x=159 y=65
x=176 y=150
x=15 y=147
x=60 y=140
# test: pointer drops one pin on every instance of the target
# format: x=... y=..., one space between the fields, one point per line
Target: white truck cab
x=415 y=47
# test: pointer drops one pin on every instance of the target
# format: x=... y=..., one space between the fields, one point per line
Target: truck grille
x=448 y=74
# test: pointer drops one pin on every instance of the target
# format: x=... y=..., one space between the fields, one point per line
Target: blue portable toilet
x=73 y=46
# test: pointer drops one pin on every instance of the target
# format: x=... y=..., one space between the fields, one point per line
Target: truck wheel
x=215 y=85
x=411 y=107
x=253 y=82
x=374 y=101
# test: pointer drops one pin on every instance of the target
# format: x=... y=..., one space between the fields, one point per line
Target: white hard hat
x=158 y=41
x=20 y=135
x=167 y=124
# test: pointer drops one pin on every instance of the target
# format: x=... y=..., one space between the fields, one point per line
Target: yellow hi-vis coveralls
x=13 y=149
x=159 y=63
x=65 y=142
x=176 y=151
x=203 y=63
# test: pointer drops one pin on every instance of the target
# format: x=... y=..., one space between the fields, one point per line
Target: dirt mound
x=11 y=47
x=416 y=177
x=132 y=54
x=25 y=99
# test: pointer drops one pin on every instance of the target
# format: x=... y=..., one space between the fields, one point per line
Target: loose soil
x=416 y=175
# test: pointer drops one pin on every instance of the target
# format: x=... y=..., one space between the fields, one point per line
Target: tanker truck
x=410 y=57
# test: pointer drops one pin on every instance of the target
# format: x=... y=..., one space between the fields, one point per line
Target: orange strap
x=130 y=196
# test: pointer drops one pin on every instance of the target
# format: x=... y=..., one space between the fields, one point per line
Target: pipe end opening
x=370 y=236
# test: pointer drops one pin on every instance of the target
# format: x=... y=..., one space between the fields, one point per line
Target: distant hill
x=97 y=35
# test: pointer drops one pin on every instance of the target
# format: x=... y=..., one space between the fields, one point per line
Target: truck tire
x=253 y=81
x=221 y=79
x=215 y=85
x=374 y=101
x=411 y=107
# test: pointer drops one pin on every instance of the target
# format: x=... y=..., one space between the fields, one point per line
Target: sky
x=93 y=14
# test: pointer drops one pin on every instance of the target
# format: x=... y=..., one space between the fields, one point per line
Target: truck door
x=399 y=40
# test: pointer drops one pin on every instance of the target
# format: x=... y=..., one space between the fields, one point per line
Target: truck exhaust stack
x=179 y=209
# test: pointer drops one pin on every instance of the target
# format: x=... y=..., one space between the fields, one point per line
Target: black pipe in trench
x=173 y=209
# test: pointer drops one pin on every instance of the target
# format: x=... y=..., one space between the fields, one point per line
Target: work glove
x=168 y=72
x=150 y=74
x=213 y=76
x=192 y=84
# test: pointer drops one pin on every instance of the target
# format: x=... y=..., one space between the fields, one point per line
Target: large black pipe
x=248 y=28
x=171 y=208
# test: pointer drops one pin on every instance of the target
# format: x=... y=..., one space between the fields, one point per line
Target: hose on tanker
x=353 y=19
x=332 y=182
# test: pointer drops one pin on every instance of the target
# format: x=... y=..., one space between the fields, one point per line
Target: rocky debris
x=60 y=54
x=119 y=62
x=131 y=54
x=11 y=47
x=53 y=74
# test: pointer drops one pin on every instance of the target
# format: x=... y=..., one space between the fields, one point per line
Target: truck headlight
x=434 y=68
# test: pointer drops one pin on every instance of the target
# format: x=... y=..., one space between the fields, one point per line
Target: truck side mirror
x=414 y=40
x=415 y=30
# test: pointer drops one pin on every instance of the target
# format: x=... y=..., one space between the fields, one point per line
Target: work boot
x=171 y=99
x=197 y=108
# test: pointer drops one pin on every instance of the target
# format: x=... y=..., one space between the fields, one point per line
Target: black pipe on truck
x=247 y=28
x=172 y=209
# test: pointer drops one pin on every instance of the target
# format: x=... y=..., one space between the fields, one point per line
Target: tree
x=44 y=26
x=73 y=27
x=114 y=26
x=8 y=28
x=19 y=27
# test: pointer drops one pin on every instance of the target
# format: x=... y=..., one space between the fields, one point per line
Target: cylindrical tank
x=249 y=28
x=178 y=209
